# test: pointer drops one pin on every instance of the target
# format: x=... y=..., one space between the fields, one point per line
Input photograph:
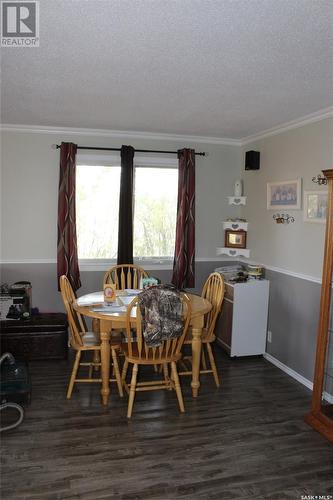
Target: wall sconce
x=320 y=180
x=283 y=218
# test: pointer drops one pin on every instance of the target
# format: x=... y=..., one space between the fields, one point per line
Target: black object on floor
x=15 y=385
x=41 y=337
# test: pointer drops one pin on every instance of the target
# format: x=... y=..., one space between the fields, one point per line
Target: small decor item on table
x=147 y=282
x=255 y=271
x=235 y=239
x=109 y=293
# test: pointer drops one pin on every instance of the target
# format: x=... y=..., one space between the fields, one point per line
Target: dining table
x=112 y=317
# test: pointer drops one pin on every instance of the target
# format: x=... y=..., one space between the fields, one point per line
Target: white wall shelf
x=233 y=252
x=235 y=225
x=237 y=200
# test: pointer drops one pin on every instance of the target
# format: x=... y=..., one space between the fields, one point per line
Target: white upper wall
x=302 y=152
x=29 y=197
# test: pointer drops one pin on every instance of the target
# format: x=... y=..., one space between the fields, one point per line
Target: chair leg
x=203 y=359
x=132 y=391
x=123 y=376
x=90 y=372
x=213 y=365
x=165 y=371
x=166 y=376
x=117 y=372
x=124 y=372
x=73 y=375
x=177 y=386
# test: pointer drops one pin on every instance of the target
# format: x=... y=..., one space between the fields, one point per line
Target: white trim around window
x=104 y=264
x=160 y=161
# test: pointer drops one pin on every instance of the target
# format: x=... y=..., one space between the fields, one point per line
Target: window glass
x=155 y=212
x=97 y=205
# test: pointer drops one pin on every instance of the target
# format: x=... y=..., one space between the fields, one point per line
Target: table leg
x=196 y=356
x=105 y=366
x=97 y=356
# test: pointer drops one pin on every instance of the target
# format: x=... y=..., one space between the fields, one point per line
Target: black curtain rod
x=136 y=150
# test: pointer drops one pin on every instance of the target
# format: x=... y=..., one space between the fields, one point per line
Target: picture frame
x=284 y=195
x=315 y=206
x=235 y=239
x=109 y=293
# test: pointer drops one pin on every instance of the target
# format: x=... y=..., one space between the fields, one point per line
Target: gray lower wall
x=293 y=305
x=293 y=320
x=43 y=277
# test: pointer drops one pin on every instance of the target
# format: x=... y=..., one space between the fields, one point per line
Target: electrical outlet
x=269 y=336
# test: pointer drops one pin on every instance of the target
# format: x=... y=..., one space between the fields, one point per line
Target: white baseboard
x=289 y=371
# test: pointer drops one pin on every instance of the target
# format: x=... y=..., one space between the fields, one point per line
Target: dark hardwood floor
x=246 y=440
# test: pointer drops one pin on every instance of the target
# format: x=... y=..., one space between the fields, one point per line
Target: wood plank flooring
x=246 y=440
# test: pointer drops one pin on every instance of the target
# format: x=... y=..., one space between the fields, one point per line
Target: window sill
x=104 y=264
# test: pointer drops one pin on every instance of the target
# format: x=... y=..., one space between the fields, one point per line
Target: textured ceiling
x=223 y=68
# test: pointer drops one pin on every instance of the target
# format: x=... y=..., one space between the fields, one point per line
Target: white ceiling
x=222 y=68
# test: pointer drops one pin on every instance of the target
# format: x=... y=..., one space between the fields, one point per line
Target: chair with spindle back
x=137 y=353
x=81 y=340
x=213 y=291
x=125 y=276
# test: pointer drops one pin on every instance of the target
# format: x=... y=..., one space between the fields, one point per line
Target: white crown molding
x=299 y=122
x=132 y=134
x=124 y=134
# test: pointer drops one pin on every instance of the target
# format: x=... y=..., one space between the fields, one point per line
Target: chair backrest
x=213 y=291
x=75 y=320
x=168 y=350
x=125 y=276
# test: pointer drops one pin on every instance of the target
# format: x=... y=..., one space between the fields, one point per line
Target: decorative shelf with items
x=237 y=200
x=233 y=252
x=235 y=224
x=235 y=230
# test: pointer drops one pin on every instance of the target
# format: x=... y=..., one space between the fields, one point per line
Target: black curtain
x=125 y=230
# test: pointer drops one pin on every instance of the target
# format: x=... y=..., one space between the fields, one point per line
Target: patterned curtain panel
x=184 y=260
x=67 y=243
x=125 y=229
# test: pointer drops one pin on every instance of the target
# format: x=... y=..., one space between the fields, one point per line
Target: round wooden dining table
x=87 y=305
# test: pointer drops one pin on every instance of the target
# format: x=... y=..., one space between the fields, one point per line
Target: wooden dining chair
x=125 y=276
x=213 y=291
x=137 y=353
x=84 y=341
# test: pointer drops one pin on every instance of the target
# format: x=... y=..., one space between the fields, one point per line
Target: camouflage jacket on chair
x=161 y=310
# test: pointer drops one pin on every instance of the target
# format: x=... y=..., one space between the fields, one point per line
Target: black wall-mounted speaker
x=252 y=160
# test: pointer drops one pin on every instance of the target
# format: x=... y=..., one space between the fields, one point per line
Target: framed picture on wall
x=315 y=206
x=235 y=239
x=284 y=195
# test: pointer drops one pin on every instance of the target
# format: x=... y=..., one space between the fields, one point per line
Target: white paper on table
x=91 y=299
x=126 y=300
x=132 y=291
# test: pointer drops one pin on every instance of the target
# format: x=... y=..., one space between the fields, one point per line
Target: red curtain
x=68 y=263
x=184 y=260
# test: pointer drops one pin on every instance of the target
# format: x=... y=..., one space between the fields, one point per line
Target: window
x=155 y=208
